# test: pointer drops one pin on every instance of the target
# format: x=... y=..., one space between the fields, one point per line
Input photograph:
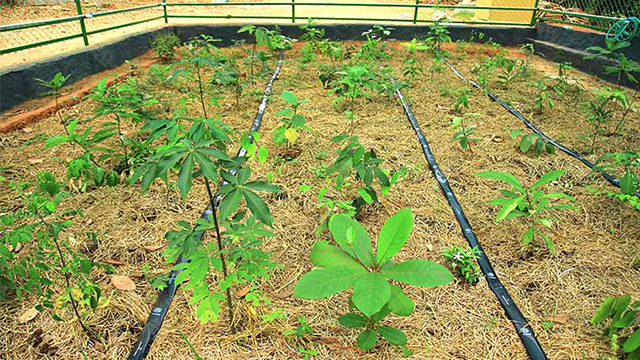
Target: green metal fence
x=26 y=24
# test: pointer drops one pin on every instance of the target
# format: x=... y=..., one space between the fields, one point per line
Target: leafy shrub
x=624 y=328
x=529 y=202
x=164 y=45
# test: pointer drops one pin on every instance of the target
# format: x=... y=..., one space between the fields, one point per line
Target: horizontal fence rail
x=532 y=14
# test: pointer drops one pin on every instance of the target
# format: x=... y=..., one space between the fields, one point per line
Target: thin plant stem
x=222 y=259
x=74 y=304
x=204 y=107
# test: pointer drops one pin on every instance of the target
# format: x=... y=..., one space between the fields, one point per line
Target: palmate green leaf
x=339 y=224
x=502 y=176
x=548 y=177
x=370 y=293
x=419 y=273
x=392 y=335
x=257 y=206
x=184 y=176
x=367 y=339
x=394 y=234
x=352 y=320
x=320 y=283
x=508 y=207
x=326 y=255
x=632 y=343
x=399 y=303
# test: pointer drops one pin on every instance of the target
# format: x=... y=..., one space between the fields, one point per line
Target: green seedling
x=531 y=202
x=624 y=328
x=531 y=142
x=352 y=264
x=291 y=122
x=462 y=261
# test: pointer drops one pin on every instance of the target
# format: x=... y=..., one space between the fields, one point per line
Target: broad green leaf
x=263 y=153
x=399 y=303
x=320 y=283
x=419 y=273
x=352 y=320
x=394 y=234
x=291 y=134
x=207 y=166
x=257 y=206
x=525 y=143
x=370 y=293
x=326 y=255
x=298 y=120
x=502 y=176
x=392 y=335
x=184 y=177
x=508 y=208
x=230 y=203
x=628 y=182
x=361 y=247
x=548 y=177
x=262 y=186
x=367 y=339
x=633 y=342
x=289 y=97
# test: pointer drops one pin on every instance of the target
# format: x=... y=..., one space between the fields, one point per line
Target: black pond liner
x=533 y=128
x=511 y=309
x=159 y=311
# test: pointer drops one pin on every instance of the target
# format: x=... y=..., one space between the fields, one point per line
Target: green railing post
x=293 y=11
x=533 y=16
x=415 y=13
x=164 y=8
x=82 y=26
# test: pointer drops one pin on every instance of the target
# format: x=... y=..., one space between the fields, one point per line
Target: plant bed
x=595 y=245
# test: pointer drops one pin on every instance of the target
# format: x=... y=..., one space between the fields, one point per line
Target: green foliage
x=532 y=142
x=461 y=101
x=511 y=72
x=599 y=112
x=36 y=259
x=464 y=132
x=438 y=35
x=354 y=161
x=529 y=202
x=624 y=328
x=628 y=162
x=290 y=121
x=302 y=330
x=352 y=83
x=412 y=67
x=543 y=99
x=100 y=163
x=624 y=67
x=164 y=45
x=462 y=261
x=375 y=46
x=312 y=35
x=353 y=264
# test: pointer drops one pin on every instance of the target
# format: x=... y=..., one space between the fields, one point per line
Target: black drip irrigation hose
x=159 y=311
x=511 y=309
x=533 y=128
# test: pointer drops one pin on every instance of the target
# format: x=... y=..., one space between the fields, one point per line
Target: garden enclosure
x=486 y=106
x=25 y=24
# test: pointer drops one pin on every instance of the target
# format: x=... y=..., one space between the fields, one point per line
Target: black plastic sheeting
x=159 y=311
x=533 y=128
x=511 y=309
